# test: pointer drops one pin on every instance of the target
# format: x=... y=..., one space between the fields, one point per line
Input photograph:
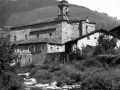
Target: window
x=34 y=48
x=37 y=35
x=86 y=29
x=57 y=47
x=28 y=60
x=95 y=37
x=15 y=38
x=50 y=34
x=41 y=48
x=51 y=48
x=26 y=37
x=88 y=38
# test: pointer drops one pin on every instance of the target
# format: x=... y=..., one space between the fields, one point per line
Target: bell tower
x=63 y=10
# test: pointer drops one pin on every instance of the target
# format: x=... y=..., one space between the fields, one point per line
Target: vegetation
x=89 y=68
x=8 y=75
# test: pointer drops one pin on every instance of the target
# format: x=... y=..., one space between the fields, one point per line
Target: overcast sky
x=111 y=7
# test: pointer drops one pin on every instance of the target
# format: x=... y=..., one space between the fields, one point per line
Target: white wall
x=91 y=40
x=55 y=48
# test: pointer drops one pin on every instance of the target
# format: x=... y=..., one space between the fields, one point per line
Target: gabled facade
x=88 y=39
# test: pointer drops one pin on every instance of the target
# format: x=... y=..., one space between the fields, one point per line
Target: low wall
x=39 y=59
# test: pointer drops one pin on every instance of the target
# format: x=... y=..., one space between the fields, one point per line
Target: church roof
x=51 y=20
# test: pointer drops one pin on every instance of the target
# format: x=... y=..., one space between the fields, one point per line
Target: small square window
x=95 y=37
x=88 y=38
x=51 y=48
x=57 y=47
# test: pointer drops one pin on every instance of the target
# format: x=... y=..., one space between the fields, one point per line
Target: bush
x=102 y=80
x=68 y=75
x=43 y=76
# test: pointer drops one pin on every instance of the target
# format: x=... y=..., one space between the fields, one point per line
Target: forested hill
x=8 y=7
x=22 y=12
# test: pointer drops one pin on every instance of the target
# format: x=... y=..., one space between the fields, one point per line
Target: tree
x=106 y=45
x=8 y=76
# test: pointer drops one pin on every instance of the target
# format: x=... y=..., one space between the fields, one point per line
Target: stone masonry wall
x=66 y=32
x=87 y=28
x=75 y=30
x=20 y=34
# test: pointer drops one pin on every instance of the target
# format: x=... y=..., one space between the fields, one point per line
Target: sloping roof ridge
x=42 y=21
x=93 y=33
x=115 y=28
x=36 y=22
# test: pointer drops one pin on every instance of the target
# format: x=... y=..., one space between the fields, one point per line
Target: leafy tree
x=8 y=76
x=106 y=45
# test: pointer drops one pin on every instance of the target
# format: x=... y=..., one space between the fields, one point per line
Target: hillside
x=24 y=18
x=8 y=7
x=22 y=12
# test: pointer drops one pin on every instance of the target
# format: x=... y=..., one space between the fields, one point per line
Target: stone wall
x=75 y=30
x=20 y=34
x=45 y=30
x=38 y=58
x=49 y=30
x=25 y=58
x=87 y=27
x=66 y=32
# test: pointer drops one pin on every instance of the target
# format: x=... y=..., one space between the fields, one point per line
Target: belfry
x=63 y=10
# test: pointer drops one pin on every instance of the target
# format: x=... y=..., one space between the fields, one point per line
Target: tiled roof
x=52 y=20
x=37 y=40
x=36 y=22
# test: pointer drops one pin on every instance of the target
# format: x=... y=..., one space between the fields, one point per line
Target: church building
x=48 y=36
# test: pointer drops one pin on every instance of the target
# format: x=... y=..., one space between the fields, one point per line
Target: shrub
x=68 y=75
x=43 y=76
x=102 y=80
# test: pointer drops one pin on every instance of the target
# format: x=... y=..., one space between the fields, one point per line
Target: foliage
x=43 y=76
x=106 y=45
x=105 y=80
x=94 y=68
x=8 y=77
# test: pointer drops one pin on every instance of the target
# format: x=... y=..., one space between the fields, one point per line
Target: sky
x=111 y=7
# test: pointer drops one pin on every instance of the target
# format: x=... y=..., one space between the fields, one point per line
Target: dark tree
x=8 y=76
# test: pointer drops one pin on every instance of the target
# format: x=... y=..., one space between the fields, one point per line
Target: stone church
x=48 y=36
